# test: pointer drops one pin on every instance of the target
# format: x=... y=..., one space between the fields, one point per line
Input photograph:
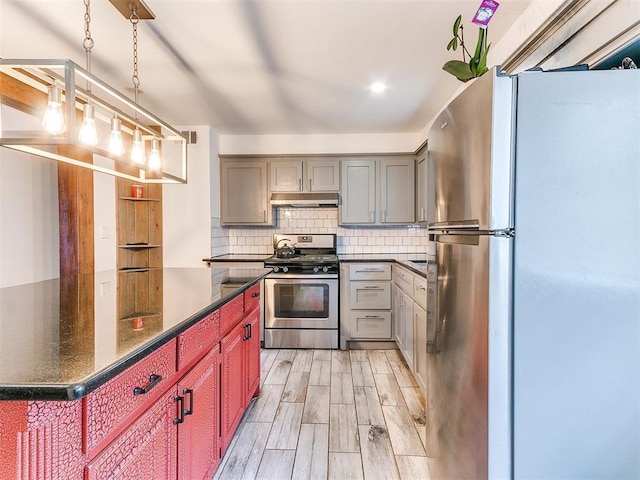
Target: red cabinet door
x=198 y=449
x=252 y=353
x=233 y=381
x=147 y=449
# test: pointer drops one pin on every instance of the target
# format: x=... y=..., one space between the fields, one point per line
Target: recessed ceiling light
x=378 y=87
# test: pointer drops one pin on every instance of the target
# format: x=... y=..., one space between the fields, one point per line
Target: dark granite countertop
x=407 y=260
x=50 y=352
x=237 y=258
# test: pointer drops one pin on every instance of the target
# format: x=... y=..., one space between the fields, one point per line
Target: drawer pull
x=188 y=391
x=422 y=287
x=255 y=294
x=181 y=411
x=153 y=381
x=372 y=316
x=373 y=287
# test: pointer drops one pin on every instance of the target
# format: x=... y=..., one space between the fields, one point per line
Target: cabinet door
x=398 y=299
x=397 y=190
x=285 y=176
x=252 y=350
x=322 y=175
x=198 y=434
x=358 y=192
x=232 y=382
x=243 y=193
x=421 y=188
x=420 y=346
x=147 y=449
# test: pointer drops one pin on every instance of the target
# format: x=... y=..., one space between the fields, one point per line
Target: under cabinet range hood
x=306 y=200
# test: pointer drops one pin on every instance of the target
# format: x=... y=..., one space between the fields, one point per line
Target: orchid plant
x=464 y=70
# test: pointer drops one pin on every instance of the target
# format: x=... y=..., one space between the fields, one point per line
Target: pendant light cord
x=134 y=19
x=88 y=40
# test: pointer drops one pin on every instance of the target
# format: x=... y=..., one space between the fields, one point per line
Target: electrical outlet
x=105 y=287
x=104 y=232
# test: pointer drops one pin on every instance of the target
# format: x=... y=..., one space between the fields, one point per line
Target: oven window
x=301 y=300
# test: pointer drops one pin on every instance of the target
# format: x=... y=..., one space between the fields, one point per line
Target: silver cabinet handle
x=373 y=287
x=264 y=216
x=372 y=316
x=372 y=214
x=299 y=184
x=370 y=269
x=385 y=216
x=310 y=183
x=422 y=287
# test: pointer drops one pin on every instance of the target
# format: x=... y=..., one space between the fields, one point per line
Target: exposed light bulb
x=88 y=133
x=53 y=120
x=155 y=162
x=137 y=148
x=115 y=138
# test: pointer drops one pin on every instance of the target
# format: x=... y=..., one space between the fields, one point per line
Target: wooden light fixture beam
x=125 y=7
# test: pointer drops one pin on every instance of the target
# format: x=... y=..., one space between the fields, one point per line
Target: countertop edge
x=78 y=390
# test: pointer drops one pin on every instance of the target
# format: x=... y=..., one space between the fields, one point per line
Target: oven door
x=301 y=301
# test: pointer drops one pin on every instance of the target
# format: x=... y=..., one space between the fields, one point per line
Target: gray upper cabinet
x=285 y=176
x=314 y=175
x=378 y=191
x=421 y=187
x=397 y=190
x=244 y=198
x=358 y=205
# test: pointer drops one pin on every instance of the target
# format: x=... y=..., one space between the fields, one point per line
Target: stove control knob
x=325 y=269
x=285 y=269
x=315 y=269
x=276 y=269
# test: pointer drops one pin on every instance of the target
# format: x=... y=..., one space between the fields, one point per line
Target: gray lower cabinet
x=365 y=290
x=403 y=323
x=244 y=196
x=420 y=345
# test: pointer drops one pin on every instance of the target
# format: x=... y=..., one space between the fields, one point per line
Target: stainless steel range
x=301 y=295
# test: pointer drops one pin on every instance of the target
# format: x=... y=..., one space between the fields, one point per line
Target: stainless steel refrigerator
x=533 y=319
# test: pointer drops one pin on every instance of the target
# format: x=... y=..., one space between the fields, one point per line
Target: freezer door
x=577 y=281
x=469 y=158
x=468 y=367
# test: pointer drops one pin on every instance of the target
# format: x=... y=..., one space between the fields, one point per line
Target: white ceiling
x=260 y=67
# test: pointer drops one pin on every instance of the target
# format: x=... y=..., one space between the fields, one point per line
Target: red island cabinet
x=240 y=373
x=169 y=416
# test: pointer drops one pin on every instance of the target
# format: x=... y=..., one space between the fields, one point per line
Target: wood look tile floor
x=331 y=414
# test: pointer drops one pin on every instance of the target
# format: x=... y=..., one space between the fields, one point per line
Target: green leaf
x=482 y=63
x=480 y=43
x=456 y=25
x=453 y=44
x=458 y=69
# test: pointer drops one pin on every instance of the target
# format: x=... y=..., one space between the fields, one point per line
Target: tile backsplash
x=243 y=240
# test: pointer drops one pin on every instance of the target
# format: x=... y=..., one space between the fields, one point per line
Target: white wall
x=29 y=233
x=186 y=219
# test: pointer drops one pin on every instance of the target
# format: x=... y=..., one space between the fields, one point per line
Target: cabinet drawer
x=370 y=271
x=199 y=339
x=370 y=324
x=420 y=292
x=370 y=295
x=230 y=314
x=403 y=278
x=251 y=297
x=111 y=405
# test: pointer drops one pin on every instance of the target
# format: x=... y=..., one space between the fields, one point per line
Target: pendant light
x=88 y=133
x=53 y=119
x=137 y=148
x=155 y=161
x=115 y=138
x=48 y=105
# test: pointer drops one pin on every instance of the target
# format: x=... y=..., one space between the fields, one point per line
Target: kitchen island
x=86 y=393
